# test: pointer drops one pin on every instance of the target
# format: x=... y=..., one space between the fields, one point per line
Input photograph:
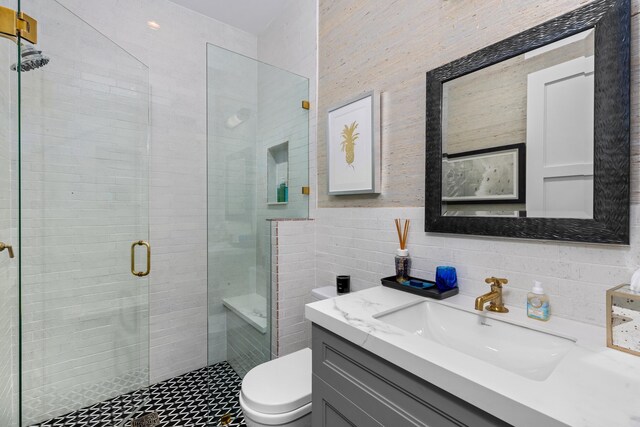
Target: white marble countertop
x=592 y=385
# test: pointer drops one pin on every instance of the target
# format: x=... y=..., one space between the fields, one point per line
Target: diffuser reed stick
x=404 y=234
x=397 y=221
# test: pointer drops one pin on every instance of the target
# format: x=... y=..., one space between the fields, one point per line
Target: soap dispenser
x=538 y=303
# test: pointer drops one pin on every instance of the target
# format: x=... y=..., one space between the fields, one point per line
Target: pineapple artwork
x=349 y=137
x=352 y=144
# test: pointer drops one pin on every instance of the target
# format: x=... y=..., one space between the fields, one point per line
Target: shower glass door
x=8 y=235
x=84 y=205
x=258 y=144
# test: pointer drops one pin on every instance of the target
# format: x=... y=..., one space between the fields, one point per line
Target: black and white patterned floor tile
x=197 y=399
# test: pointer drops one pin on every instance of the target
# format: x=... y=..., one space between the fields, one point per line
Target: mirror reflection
x=517 y=136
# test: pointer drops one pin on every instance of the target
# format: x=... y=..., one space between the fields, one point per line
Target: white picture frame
x=353 y=146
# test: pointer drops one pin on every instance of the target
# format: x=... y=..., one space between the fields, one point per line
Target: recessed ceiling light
x=153 y=25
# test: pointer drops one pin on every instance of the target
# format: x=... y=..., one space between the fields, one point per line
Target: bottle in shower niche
x=283 y=191
x=538 y=303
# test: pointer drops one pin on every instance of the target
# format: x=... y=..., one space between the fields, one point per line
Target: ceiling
x=253 y=16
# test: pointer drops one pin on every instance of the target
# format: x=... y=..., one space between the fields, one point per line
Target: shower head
x=30 y=59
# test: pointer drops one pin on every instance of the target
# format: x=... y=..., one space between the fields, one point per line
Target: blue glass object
x=446 y=278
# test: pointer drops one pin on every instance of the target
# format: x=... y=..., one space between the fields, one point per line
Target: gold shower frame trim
x=14 y=24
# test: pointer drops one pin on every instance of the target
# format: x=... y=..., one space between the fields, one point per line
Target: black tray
x=432 y=292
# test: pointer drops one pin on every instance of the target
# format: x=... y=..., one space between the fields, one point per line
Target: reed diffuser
x=403 y=261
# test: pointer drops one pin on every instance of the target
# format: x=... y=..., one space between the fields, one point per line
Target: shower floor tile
x=196 y=399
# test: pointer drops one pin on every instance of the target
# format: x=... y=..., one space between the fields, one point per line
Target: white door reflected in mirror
x=517 y=136
x=560 y=140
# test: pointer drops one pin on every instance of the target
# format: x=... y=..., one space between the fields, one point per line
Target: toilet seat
x=274 y=419
x=278 y=390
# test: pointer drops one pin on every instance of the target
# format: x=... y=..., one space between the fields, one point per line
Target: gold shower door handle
x=9 y=248
x=133 y=258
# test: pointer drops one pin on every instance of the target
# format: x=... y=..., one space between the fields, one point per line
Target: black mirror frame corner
x=610 y=223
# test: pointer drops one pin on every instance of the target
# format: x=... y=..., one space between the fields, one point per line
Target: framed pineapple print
x=353 y=146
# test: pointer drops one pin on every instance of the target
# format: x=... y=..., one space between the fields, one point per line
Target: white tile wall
x=84 y=188
x=293 y=278
x=281 y=119
x=290 y=43
x=246 y=346
x=176 y=56
x=361 y=242
x=231 y=86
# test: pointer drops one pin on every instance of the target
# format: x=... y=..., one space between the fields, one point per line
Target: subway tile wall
x=239 y=237
x=246 y=345
x=84 y=175
x=293 y=277
x=176 y=56
x=361 y=242
x=290 y=43
x=281 y=119
x=232 y=81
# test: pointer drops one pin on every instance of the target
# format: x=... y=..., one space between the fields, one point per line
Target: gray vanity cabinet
x=353 y=387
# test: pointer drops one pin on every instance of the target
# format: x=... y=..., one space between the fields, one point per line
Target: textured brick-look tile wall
x=176 y=56
x=293 y=277
x=362 y=242
x=8 y=282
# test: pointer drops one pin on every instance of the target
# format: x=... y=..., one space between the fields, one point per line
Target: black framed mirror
x=529 y=137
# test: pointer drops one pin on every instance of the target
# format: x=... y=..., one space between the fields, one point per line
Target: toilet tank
x=325 y=292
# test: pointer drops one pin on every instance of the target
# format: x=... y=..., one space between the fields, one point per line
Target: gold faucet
x=495 y=296
x=9 y=248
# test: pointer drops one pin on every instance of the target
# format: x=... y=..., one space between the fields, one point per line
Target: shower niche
x=278 y=174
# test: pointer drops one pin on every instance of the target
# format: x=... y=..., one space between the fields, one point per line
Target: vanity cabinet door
x=332 y=409
x=386 y=393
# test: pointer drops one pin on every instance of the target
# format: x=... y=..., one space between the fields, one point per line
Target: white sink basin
x=521 y=350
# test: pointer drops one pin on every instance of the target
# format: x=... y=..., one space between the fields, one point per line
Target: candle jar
x=403 y=265
x=343 y=284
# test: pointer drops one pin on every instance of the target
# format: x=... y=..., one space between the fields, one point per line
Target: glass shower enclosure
x=257 y=168
x=8 y=231
x=74 y=220
x=74 y=191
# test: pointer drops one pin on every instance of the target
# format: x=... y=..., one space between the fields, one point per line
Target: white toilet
x=278 y=392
